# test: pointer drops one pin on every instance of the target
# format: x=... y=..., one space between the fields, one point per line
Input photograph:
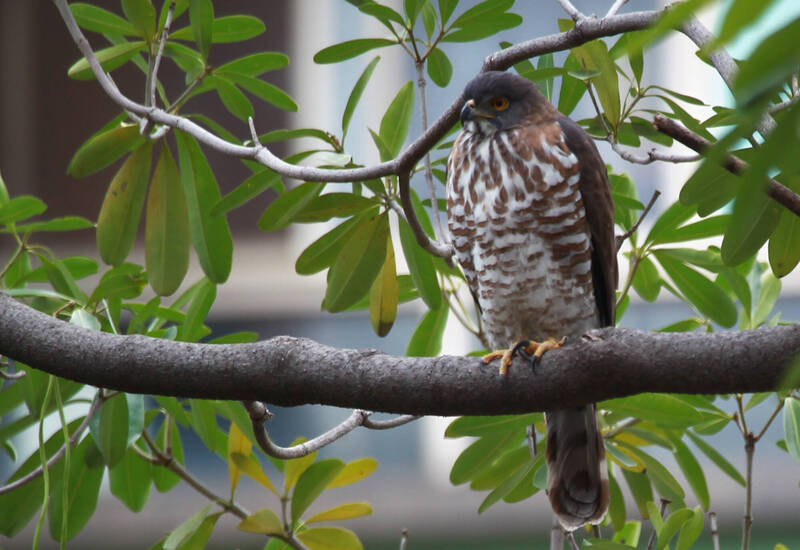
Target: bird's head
x=497 y=101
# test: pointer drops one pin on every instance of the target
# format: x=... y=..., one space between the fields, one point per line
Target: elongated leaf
x=692 y=471
x=703 y=229
x=349 y=49
x=229 y=28
x=233 y=99
x=572 y=89
x=784 y=243
x=691 y=530
x=641 y=490
x=421 y=267
x=204 y=422
x=395 y=122
x=717 y=459
x=265 y=522
x=481 y=454
x=282 y=211
x=356 y=93
x=131 y=479
x=166 y=228
x=163 y=478
x=205 y=292
x=343 y=511
x=103 y=149
x=311 y=484
x=263 y=90
x=334 y=205
x=769 y=65
x=255 y=64
x=237 y=444
x=323 y=252
x=330 y=538
x=83 y=487
x=647 y=280
x=510 y=483
x=21 y=208
x=64 y=223
x=791 y=426
x=93 y=18
x=61 y=279
x=296 y=466
x=248 y=189
x=250 y=466
x=486 y=425
x=384 y=295
x=109 y=58
x=707 y=297
x=118 y=221
x=662 y=409
x=210 y=234
x=440 y=69
x=755 y=216
x=358 y=264
x=110 y=430
x=427 y=338
x=353 y=472
x=201 y=15
x=671 y=525
x=185 y=530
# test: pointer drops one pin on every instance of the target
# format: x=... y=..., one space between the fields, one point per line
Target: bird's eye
x=499 y=103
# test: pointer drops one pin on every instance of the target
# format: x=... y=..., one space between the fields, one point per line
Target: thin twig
x=530 y=435
x=434 y=247
x=259 y=414
x=620 y=427
x=99 y=399
x=769 y=421
x=775 y=189
x=622 y=238
x=615 y=7
x=571 y=539
x=712 y=516
x=403 y=539
x=388 y=424
x=747 y=521
x=652 y=540
x=571 y=10
x=157 y=61
x=10 y=375
x=652 y=155
x=556 y=535
x=421 y=84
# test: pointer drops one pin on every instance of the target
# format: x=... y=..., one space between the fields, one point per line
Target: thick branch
x=775 y=189
x=295 y=371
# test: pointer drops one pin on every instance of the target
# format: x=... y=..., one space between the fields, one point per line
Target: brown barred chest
x=519 y=230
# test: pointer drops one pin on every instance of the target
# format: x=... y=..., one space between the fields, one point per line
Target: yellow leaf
x=237 y=443
x=330 y=538
x=296 y=466
x=264 y=521
x=384 y=295
x=354 y=471
x=343 y=511
x=632 y=439
x=248 y=465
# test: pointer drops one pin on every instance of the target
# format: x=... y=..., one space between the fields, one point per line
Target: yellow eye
x=499 y=103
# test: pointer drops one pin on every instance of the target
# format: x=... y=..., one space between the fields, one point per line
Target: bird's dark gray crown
x=479 y=115
x=497 y=83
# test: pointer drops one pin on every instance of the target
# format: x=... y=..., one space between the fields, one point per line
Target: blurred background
x=44 y=117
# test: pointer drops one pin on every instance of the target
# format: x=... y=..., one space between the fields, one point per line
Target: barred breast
x=519 y=230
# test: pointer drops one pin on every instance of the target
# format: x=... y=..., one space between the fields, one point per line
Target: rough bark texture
x=295 y=371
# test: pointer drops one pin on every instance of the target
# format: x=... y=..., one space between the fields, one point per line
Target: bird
x=531 y=220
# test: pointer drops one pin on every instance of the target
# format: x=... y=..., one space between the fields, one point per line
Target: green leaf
x=717 y=459
x=358 y=264
x=642 y=492
x=204 y=422
x=83 y=486
x=255 y=64
x=755 y=216
x=311 y=483
x=109 y=58
x=420 y=266
x=323 y=252
x=349 y=49
x=356 y=93
x=93 y=18
x=187 y=59
x=770 y=290
x=201 y=15
x=334 y=205
x=163 y=478
x=20 y=208
x=429 y=18
x=61 y=279
x=248 y=189
x=662 y=409
x=481 y=453
x=703 y=229
x=572 y=89
x=353 y=472
x=296 y=466
x=330 y=538
x=205 y=292
x=511 y=482
x=131 y=479
x=616 y=506
x=166 y=228
x=185 y=530
x=710 y=187
x=691 y=530
x=439 y=67
x=486 y=425
x=349 y=510
x=229 y=28
x=103 y=149
x=384 y=295
x=382 y=13
x=125 y=281
x=427 y=338
x=233 y=99
x=672 y=218
x=118 y=221
x=647 y=280
x=283 y=210
x=446 y=8
x=265 y=522
x=791 y=426
x=769 y=65
x=64 y=223
x=412 y=9
x=210 y=234
x=487 y=27
x=707 y=297
x=110 y=430
x=395 y=122
x=198 y=539
x=692 y=471
x=593 y=56
x=142 y=15
x=671 y=524
x=784 y=243
x=263 y=90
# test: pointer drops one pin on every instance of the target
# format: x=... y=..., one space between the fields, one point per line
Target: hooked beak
x=469 y=111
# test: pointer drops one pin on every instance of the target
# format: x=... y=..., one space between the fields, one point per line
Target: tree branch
x=775 y=189
x=294 y=371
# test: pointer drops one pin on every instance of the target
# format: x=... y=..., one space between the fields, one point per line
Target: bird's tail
x=577 y=477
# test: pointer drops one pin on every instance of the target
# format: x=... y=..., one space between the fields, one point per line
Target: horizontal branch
x=295 y=371
x=775 y=189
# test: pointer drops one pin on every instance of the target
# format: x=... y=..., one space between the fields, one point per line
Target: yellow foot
x=527 y=348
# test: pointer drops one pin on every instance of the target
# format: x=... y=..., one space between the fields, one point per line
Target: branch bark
x=294 y=371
